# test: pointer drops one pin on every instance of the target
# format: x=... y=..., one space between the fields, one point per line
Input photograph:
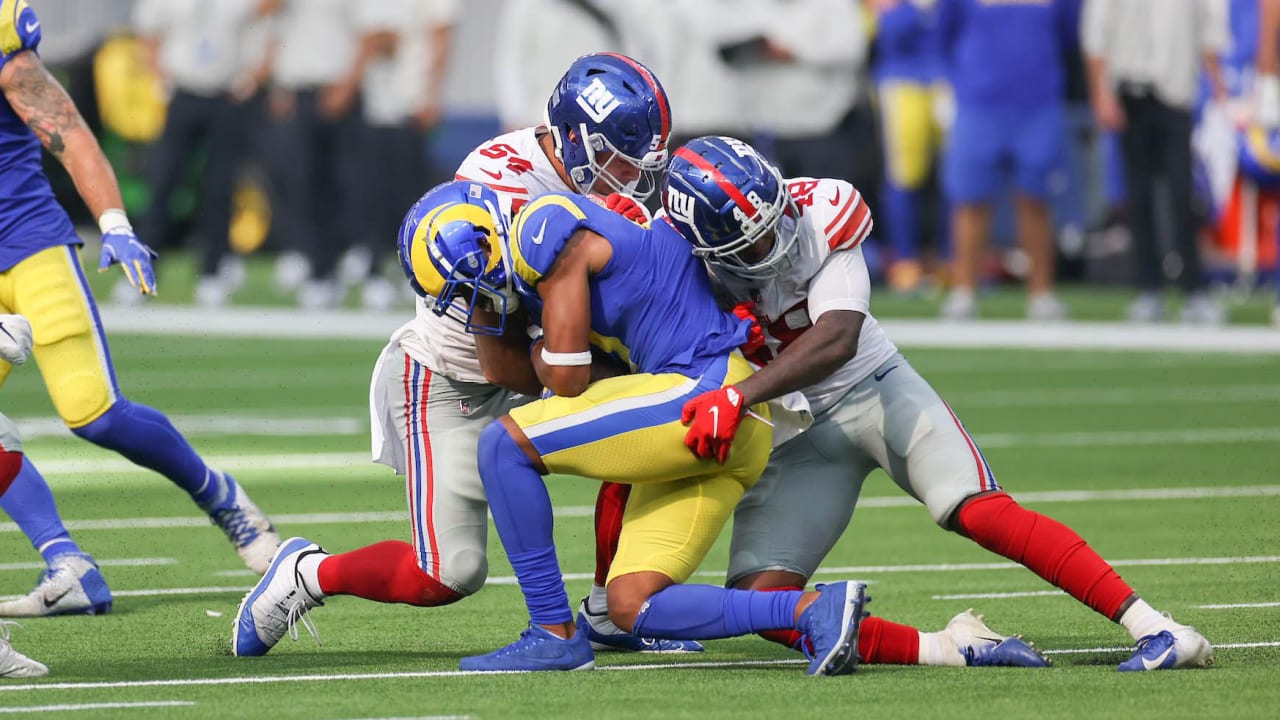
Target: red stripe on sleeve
x=855 y=230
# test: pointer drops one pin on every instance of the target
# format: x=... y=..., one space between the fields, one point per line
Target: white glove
x=15 y=339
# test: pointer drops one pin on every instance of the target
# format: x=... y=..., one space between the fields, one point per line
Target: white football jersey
x=515 y=167
x=826 y=271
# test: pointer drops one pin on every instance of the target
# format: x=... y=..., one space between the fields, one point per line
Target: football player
x=588 y=277
x=608 y=120
x=41 y=278
x=15 y=347
x=787 y=252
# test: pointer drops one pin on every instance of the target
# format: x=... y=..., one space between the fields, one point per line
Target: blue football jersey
x=30 y=217
x=651 y=305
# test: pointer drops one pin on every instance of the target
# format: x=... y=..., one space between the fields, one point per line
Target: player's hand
x=15 y=339
x=627 y=208
x=713 y=419
x=121 y=245
x=755 y=336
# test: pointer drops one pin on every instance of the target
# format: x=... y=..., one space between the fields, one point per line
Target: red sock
x=1047 y=547
x=888 y=643
x=386 y=572
x=611 y=503
x=10 y=465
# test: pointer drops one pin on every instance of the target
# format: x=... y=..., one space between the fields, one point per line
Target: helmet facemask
x=779 y=217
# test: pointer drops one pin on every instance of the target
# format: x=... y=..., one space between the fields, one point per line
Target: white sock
x=598 y=600
x=1142 y=620
x=939 y=648
x=309 y=573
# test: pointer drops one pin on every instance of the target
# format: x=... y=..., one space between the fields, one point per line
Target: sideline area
x=250 y=322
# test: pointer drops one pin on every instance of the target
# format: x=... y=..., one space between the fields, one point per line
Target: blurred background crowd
x=1106 y=142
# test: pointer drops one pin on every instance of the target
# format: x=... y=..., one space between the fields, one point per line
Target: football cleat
x=537 y=649
x=605 y=636
x=277 y=604
x=1169 y=649
x=831 y=626
x=983 y=647
x=14 y=664
x=71 y=585
x=247 y=527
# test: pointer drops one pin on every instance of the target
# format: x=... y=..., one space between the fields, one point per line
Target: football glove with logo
x=628 y=208
x=755 y=336
x=15 y=339
x=121 y=245
x=713 y=419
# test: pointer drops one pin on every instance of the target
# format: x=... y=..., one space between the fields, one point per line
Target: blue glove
x=121 y=245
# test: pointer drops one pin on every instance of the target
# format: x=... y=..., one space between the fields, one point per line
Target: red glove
x=627 y=208
x=755 y=336
x=713 y=419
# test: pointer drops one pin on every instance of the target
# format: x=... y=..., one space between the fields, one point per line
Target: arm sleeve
x=842 y=283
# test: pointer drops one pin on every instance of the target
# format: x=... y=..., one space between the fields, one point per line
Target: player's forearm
x=505 y=362
x=46 y=108
x=1269 y=38
x=811 y=358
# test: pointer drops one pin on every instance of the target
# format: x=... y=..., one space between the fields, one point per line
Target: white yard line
x=410 y=675
x=99 y=706
x=999 y=595
x=1110 y=396
x=1234 y=606
x=358 y=325
x=112 y=562
x=215 y=424
x=573 y=511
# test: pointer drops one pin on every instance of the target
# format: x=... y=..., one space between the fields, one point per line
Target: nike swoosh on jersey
x=835 y=201
x=881 y=376
x=1158 y=661
x=494 y=175
x=537 y=237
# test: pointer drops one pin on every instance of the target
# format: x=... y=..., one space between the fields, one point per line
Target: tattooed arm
x=46 y=108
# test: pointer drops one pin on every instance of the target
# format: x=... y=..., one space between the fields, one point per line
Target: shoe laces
x=235 y=522
x=297 y=613
x=4 y=628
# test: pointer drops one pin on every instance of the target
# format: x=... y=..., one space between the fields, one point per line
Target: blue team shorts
x=985 y=143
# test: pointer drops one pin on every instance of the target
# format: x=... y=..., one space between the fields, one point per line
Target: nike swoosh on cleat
x=50 y=602
x=1155 y=664
x=881 y=376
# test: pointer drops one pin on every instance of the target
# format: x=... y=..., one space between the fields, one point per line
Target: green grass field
x=1165 y=462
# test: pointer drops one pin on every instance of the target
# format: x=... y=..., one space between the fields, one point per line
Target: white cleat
x=983 y=647
x=246 y=526
x=14 y=664
x=1179 y=647
x=960 y=305
x=71 y=585
x=277 y=604
x=1046 y=307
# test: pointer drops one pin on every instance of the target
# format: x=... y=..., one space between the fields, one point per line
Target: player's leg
x=12 y=662
x=1040 y=155
x=970 y=176
x=945 y=470
x=907 y=125
x=74 y=358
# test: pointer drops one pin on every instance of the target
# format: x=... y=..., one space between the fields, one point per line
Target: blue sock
x=522 y=515
x=30 y=503
x=707 y=612
x=147 y=438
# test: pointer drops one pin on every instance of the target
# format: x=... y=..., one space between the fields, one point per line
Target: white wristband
x=113 y=219
x=566 y=359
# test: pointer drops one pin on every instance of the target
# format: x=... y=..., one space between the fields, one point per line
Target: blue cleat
x=72 y=585
x=831 y=626
x=605 y=636
x=983 y=647
x=277 y=604
x=537 y=649
x=1170 y=649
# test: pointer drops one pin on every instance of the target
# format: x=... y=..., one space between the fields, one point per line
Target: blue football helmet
x=725 y=198
x=453 y=249
x=610 y=106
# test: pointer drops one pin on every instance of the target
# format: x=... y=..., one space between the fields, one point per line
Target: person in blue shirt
x=1006 y=60
x=42 y=279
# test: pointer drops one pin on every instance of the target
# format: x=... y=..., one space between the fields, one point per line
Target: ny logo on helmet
x=679 y=206
x=597 y=101
x=739 y=147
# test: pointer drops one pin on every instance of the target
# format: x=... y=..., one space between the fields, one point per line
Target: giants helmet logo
x=597 y=102
x=679 y=206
